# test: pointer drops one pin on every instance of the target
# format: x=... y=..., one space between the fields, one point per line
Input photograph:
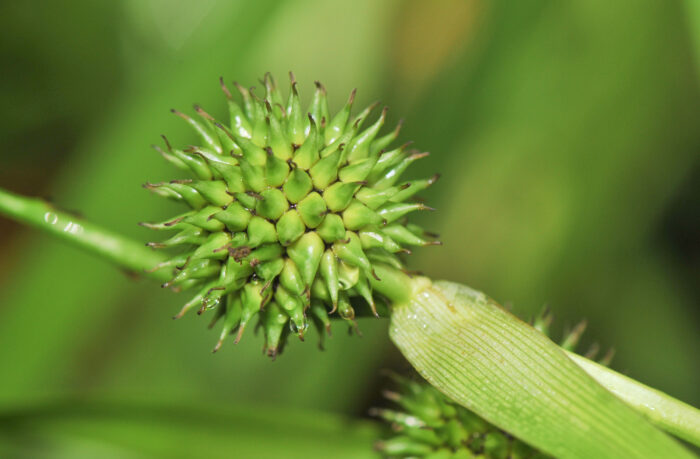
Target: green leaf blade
x=671 y=415
x=505 y=371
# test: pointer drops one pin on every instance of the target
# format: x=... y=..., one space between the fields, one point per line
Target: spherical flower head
x=291 y=213
x=425 y=423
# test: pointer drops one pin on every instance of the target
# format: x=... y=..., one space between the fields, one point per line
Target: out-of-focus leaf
x=90 y=429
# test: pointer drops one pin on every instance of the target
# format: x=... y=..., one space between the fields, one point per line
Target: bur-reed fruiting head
x=291 y=212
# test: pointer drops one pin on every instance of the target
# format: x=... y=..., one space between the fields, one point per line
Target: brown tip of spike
x=181 y=313
x=180 y=114
x=264 y=300
x=419 y=155
x=351 y=99
x=174 y=222
x=240 y=88
x=579 y=328
x=373 y=307
x=223 y=128
x=592 y=351
x=224 y=88
x=607 y=358
x=272 y=353
x=201 y=111
x=218 y=346
x=239 y=335
x=167 y=142
x=213 y=322
x=405 y=145
x=391 y=395
x=223 y=247
x=155 y=268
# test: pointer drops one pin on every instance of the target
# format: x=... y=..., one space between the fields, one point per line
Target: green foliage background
x=567 y=136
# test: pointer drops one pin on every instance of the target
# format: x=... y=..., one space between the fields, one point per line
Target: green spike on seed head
x=428 y=424
x=291 y=212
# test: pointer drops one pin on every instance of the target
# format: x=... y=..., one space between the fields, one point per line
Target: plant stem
x=122 y=251
x=662 y=410
x=394 y=284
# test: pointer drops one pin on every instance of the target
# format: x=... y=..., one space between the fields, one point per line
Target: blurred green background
x=568 y=140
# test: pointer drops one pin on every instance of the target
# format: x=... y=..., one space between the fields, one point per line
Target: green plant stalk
x=664 y=411
x=505 y=371
x=124 y=252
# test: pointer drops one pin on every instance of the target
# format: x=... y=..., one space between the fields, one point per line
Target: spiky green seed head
x=426 y=423
x=291 y=212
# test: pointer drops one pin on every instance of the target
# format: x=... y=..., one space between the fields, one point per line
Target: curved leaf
x=492 y=363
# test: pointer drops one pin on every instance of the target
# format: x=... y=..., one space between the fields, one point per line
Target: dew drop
x=50 y=218
x=73 y=228
x=294 y=329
